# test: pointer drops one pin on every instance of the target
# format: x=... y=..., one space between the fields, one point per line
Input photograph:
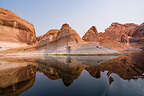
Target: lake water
x=72 y=76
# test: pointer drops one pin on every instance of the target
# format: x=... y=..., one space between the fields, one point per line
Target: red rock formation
x=139 y=33
x=51 y=33
x=116 y=30
x=60 y=37
x=15 y=29
x=91 y=34
x=115 y=36
x=124 y=38
x=137 y=39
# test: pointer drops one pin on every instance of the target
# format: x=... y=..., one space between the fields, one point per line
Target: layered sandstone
x=64 y=41
x=59 y=37
x=67 y=41
x=15 y=30
x=116 y=36
x=116 y=30
x=139 y=32
x=91 y=34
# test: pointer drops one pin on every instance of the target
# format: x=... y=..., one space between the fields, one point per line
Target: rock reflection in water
x=126 y=66
x=16 y=79
x=64 y=68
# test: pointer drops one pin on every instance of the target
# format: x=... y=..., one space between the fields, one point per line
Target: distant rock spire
x=91 y=34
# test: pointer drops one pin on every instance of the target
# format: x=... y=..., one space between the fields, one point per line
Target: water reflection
x=15 y=78
x=18 y=74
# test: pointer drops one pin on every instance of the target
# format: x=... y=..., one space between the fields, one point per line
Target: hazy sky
x=80 y=14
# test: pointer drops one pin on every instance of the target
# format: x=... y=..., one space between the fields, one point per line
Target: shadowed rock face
x=137 y=40
x=15 y=29
x=139 y=32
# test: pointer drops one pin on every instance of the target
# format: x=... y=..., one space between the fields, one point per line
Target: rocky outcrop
x=63 y=41
x=116 y=36
x=116 y=31
x=51 y=34
x=54 y=38
x=68 y=35
x=91 y=34
x=66 y=40
x=139 y=32
x=14 y=29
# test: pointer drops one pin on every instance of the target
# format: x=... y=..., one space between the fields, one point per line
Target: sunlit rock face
x=91 y=35
x=66 y=40
x=57 y=38
x=116 y=30
x=15 y=30
x=51 y=35
x=116 y=36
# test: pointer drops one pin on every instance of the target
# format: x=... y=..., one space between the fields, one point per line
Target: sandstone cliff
x=66 y=40
x=56 y=38
x=91 y=34
x=63 y=41
x=139 y=32
x=14 y=30
x=116 y=36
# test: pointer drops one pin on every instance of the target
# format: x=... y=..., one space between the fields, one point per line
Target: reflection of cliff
x=16 y=79
x=69 y=68
x=60 y=68
x=127 y=67
x=17 y=89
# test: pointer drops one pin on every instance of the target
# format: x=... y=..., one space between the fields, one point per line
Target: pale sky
x=80 y=14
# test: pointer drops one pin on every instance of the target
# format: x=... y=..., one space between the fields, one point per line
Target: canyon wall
x=15 y=31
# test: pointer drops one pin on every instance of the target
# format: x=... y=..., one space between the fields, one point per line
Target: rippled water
x=72 y=76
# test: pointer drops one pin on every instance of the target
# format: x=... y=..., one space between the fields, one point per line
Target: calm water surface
x=73 y=76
